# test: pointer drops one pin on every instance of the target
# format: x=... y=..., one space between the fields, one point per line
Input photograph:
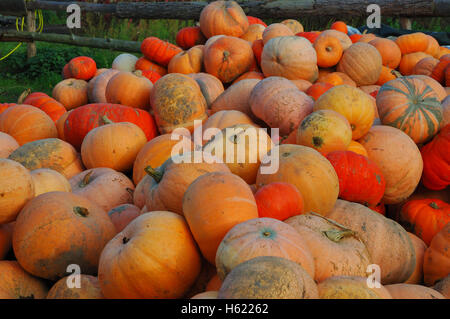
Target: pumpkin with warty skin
x=16 y=283
x=436 y=161
x=177 y=102
x=295 y=164
x=279 y=200
x=97 y=86
x=189 y=37
x=57 y=229
x=411 y=291
x=123 y=214
x=388 y=243
x=350 y=287
x=223 y=18
x=155 y=152
x=210 y=86
x=71 y=93
x=230 y=202
x=419 y=248
x=362 y=62
x=103 y=186
x=158 y=50
x=130 y=89
x=227 y=58
x=169 y=260
x=50 y=106
x=337 y=250
x=268 y=277
x=50 y=153
x=144 y=64
x=355 y=105
x=16 y=189
x=436 y=263
x=186 y=62
x=48 y=180
x=7 y=145
x=82 y=68
x=262 y=237
x=172 y=179
x=279 y=103
x=291 y=57
x=398 y=158
x=324 y=130
x=6 y=231
x=89 y=289
x=87 y=117
x=26 y=123
x=425 y=217
x=360 y=180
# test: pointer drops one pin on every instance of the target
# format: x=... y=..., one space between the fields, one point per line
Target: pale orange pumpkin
x=97 y=86
x=210 y=86
x=345 y=40
x=190 y=61
x=294 y=25
x=16 y=283
x=389 y=50
x=276 y=30
x=254 y=32
x=7 y=145
x=425 y=66
x=48 y=180
x=123 y=214
x=71 y=93
x=409 y=61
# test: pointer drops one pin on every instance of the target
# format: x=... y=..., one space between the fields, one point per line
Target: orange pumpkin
x=122 y=215
x=130 y=89
x=294 y=25
x=249 y=75
x=317 y=89
x=158 y=50
x=230 y=202
x=57 y=229
x=144 y=64
x=89 y=289
x=254 y=32
x=190 y=61
x=97 y=86
x=47 y=180
x=386 y=75
x=7 y=145
x=425 y=66
x=389 y=50
x=50 y=106
x=189 y=37
x=16 y=283
x=436 y=264
x=262 y=237
x=346 y=42
x=26 y=123
x=177 y=102
x=276 y=30
x=355 y=105
x=223 y=17
x=329 y=51
x=433 y=48
x=210 y=86
x=71 y=93
x=413 y=42
x=6 y=231
x=419 y=248
x=357 y=148
x=291 y=57
x=325 y=130
x=409 y=61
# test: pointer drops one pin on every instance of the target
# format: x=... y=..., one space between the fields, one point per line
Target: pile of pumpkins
x=90 y=180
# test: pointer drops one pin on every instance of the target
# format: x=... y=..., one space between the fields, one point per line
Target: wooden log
x=99 y=43
x=31 y=27
x=278 y=9
x=13 y=7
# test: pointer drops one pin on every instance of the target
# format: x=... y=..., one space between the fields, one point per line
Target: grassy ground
x=43 y=72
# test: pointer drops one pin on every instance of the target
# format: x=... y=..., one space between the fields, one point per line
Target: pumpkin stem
x=130 y=191
x=125 y=240
x=23 y=96
x=86 y=180
x=81 y=211
x=433 y=205
x=396 y=73
x=106 y=120
x=156 y=175
x=336 y=235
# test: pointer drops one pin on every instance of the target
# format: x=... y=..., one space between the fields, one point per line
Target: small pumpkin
x=71 y=93
x=255 y=20
x=329 y=51
x=357 y=148
x=339 y=26
x=409 y=61
x=294 y=25
x=125 y=62
x=82 y=68
x=386 y=75
x=276 y=30
x=346 y=42
x=144 y=64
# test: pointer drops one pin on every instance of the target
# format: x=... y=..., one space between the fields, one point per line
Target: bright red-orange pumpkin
x=82 y=68
x=49 y=105
x=146 y=65
x=340 y=26
x=317 y=89
x=254 y=20
x=158 y=50
x=279 y=200
x=189 y=36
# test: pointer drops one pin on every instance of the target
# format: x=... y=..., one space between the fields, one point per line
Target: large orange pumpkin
x=307 y=169
x=57 y=229
x=329 y=51
x=389 y=50
x=223 y=17
x=16 y=283
x=50 y=106
x=409 y=61
x=411 y=106
x=26 y=123
x=155 y=256
x=177 y=102
x=230 y=202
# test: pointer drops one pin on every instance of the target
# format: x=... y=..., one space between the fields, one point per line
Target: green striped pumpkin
x=409 y=104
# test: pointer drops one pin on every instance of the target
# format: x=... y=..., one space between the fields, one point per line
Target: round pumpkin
x=307 y=169
x=362 y=62
x=279 y=103
x=48 y=180
x=57 y=229
x=158 y=251
x=436 y=263
x=26 y=123
x=89 y=288
x=230 y=202
x=268 y=277
x=325 y=130
x=8 y=144
x=398 y=158
x=189 y=37
x=114 y=145
x=223 y=17
x=389 y=50
x=355 y=105
x=16 y=189
x=16 y=283
x=425 y=66
x=130 y=89
x=388 y=243
x=276 y=30
x=50 y=153
x=177 y=102
x=435 y=85
x=294 y=25
x=329 y=51
x=124 y=62
x=122 y=215
x=50 y=106
x=172 y=179
x=346 y=42
x=104 y=187
x=337 y=250
x=350 y=287
x=291 y=57
x=411 y=291
x=409 y=61
x=210 y=86
x=82 y=67
x=185 y=62
x=71 y=93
